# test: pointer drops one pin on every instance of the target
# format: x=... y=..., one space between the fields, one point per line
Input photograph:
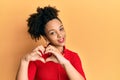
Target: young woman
x=54 y=61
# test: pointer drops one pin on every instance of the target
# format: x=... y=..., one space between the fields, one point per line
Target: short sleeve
x=76 y=62
x=31 y=70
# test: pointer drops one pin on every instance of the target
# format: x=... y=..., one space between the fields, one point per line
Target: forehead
x=53 y=24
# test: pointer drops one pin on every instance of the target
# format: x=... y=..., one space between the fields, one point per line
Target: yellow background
x=92 y=27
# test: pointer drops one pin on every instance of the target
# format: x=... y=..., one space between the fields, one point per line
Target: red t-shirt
x=38 y=70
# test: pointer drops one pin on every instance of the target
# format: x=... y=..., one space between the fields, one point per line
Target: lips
x=61 y=40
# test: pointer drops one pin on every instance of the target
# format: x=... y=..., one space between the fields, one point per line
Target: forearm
x=72 y=73
x=23 y=71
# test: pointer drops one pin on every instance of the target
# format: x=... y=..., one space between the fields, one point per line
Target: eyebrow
x=53 y=29
x=61 y=25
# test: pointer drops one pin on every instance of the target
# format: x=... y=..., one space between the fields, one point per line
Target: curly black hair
x=37 y=21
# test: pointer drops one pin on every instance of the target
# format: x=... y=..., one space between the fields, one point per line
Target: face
x=55 y=33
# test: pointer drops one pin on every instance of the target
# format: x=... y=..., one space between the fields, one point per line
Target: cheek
x=64 y=34
x=52 y=39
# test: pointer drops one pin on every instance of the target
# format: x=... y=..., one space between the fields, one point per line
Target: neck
x=61 y=48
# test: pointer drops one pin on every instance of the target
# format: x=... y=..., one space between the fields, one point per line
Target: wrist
x=66 y=62
x=24 y=61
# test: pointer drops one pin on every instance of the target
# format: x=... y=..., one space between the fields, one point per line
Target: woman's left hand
x=58 y=55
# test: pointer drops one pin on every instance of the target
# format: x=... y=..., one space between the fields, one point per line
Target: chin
x=59 y=45
x=62 y=45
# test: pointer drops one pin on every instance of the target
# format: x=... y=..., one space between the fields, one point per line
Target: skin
x=55 y=35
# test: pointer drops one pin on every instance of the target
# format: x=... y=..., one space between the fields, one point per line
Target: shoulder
x=69 y=54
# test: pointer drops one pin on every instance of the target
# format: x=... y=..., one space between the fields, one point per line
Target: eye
x=52 y=33
x=61 y=29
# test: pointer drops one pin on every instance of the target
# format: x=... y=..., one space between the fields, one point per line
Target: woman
x=54 y=61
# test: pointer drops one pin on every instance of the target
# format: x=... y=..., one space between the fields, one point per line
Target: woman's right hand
x=36 y=54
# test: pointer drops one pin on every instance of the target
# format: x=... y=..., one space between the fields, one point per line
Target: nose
x=59 y=35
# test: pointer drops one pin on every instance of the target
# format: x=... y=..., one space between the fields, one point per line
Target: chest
x=50 y=71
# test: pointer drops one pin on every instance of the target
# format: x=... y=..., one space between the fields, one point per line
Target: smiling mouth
x=61 y=40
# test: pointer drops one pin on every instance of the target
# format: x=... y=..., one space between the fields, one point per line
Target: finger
x=49 y=48
x=37 y=57
x=39 y=48
x=39 y=53
x=49 y=51
x=36 y=52
x=41 y=59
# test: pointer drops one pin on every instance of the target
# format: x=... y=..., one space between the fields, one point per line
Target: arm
x=23 y=71
x=72 y=70
x=76 y=62
x=27 y=68
x=73 y=74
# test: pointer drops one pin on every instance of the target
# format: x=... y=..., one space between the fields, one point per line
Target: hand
x=36 y=54
x=56 y=53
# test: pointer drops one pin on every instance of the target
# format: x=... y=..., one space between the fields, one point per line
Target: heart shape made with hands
x=45 y=55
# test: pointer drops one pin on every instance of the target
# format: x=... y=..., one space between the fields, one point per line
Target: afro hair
x=37 y=21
